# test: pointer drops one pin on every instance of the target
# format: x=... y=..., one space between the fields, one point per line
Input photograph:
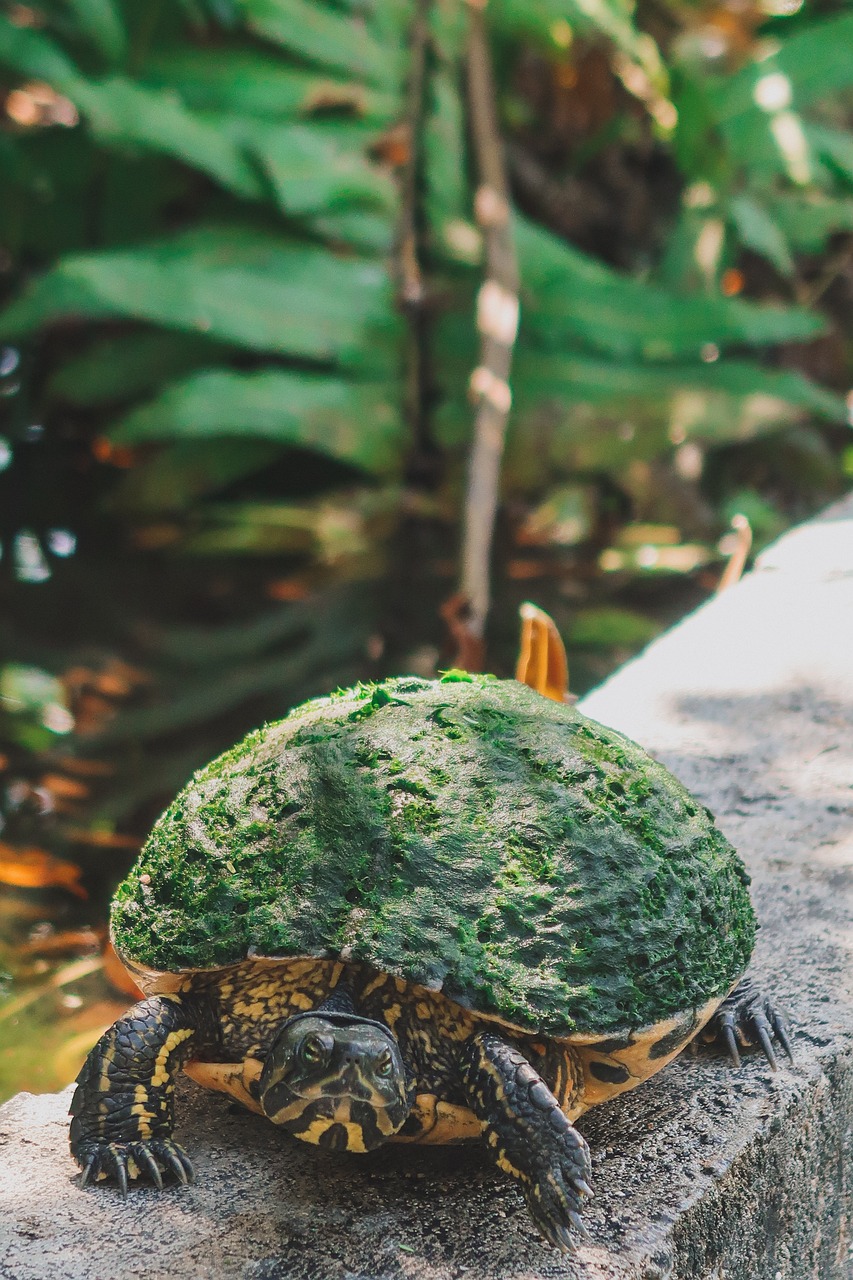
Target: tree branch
x=497 y=324
x=410 y=280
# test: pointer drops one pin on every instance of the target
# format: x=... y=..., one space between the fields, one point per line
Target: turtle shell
x=464 y=834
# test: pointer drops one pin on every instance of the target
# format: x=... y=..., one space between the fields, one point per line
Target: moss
x=463 y=832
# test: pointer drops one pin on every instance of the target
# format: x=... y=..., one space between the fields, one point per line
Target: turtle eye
x=384 y=1065
x=312 y=1050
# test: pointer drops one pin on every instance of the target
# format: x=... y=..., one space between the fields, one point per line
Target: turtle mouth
x=339 y=1122
x=362 y=1094
x=284 y=1096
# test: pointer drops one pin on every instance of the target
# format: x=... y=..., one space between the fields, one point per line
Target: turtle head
x=336 y=1080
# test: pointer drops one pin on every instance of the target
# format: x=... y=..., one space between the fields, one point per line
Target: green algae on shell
x=465 y=834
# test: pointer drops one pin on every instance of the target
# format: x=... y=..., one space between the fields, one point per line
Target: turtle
x=423 y=911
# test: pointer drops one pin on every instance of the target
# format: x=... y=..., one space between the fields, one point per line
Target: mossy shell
x=464 y=834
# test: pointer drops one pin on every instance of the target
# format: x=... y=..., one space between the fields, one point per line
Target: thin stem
x=410 y=281
x=742 y=540
x=497 y=324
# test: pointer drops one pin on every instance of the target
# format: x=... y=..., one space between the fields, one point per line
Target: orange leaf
x=519 y=569
x=287 y=589
x=66 y=788
x=86 y=768
x=103 y=839
x=732 y=282
x=542 y=661
x=35 y=869
x=117 y=455
x=69 y=942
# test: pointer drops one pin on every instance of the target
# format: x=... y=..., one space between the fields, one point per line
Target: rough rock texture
x=455 y=833
x=702 y=1173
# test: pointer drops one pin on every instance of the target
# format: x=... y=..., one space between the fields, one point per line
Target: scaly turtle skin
x=422 y=911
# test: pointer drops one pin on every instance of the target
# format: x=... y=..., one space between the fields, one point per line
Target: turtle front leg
x=528 y=1136
x=123 y=1105
x=747 y=1019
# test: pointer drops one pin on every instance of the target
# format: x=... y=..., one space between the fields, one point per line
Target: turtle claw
x=126 y=1161
x=780 y=1031
x=762 y=1030
x=748 y=1020
x=556 y=1196
x=173 y=1156
x=729 y=1040
x=182 y=1169
x=146 y=1160
x=120 y=1170
x=560 y=1238
x=578 y=1223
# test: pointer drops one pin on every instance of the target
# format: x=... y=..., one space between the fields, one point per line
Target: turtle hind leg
x=747 y=1019
x=123 y=1107
x=528 y=1136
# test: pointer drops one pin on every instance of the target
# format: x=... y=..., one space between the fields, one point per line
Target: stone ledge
x=704 y=1172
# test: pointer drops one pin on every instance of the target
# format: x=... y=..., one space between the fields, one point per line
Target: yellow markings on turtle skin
x=343 y=1111
x=491 y=1070
x=320 y=1125
x=636 y=1058
x=453 y=1124
x=140 y=1109
x=441 y=1123
x=252 y=1011
x=284 y=974
x=316 y=1129
x=503 y=1162
x=144 y=1118
x=233 y=1078
x=442 y=1020
x=255 y=997
x=375 y=985
x=105 y=1081
x=103 y=1117
x=384 y=1123
x=160 y=1075
x=292 y=1111
x=301 y=1001
x=392 y=1015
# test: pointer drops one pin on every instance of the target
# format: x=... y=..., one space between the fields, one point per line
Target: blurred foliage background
x=238 y=271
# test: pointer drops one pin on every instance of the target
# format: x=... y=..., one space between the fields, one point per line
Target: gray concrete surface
x=702 y=1173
